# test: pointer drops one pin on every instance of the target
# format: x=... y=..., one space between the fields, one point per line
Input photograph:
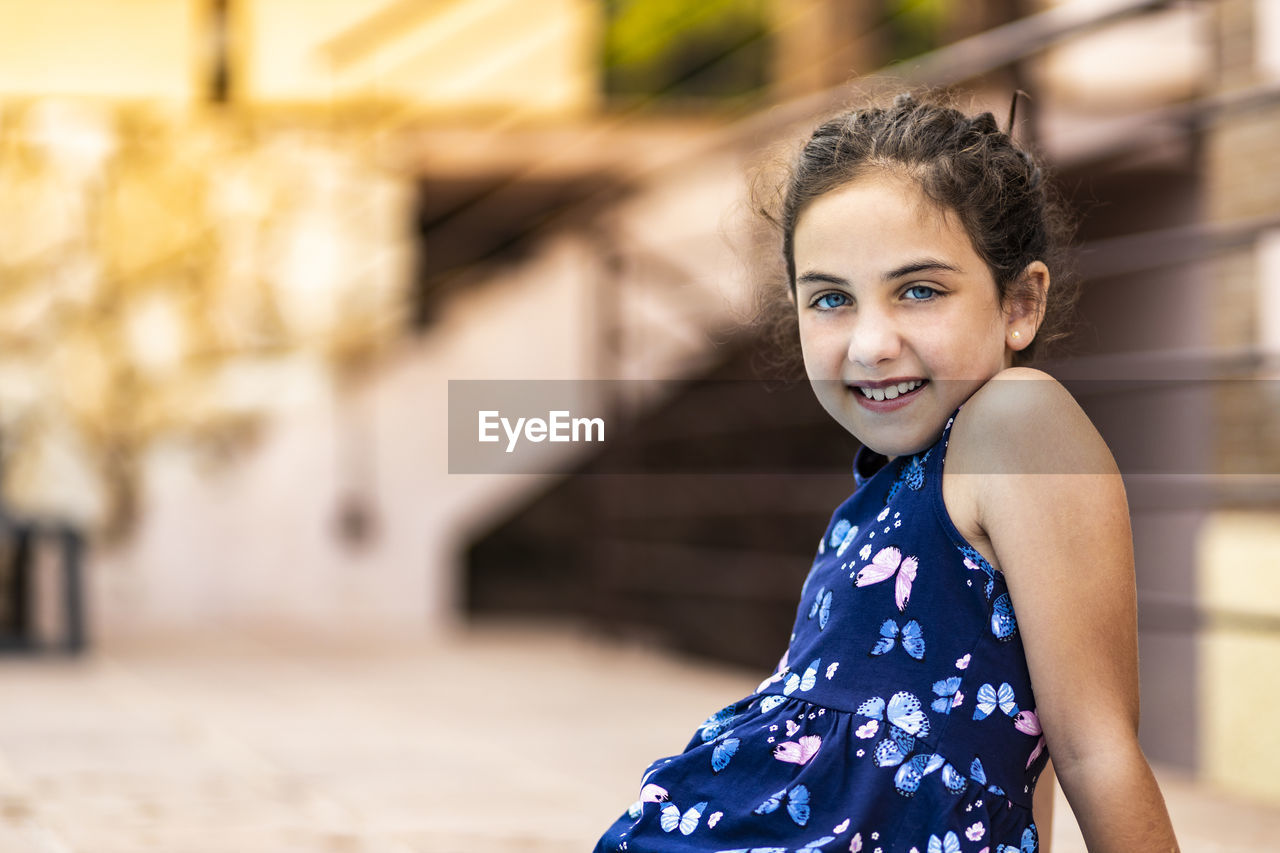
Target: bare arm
x=1052 y=504
x=1042 y=807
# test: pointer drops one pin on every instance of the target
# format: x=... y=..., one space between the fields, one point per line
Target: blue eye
x=825 y=300
x=922 y=291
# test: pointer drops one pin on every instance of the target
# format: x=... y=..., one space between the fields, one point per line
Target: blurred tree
x=915 y=26
x=715 y=48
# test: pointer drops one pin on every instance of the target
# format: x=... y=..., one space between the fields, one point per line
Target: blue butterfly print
x=671 y=818
x=953 y=779
x=989 y=698
x=821 y=607
x=838 y=531
x=718 y=722
x=726 y=747
x=797 y=804
x=946 y=690
x=975 y=562
x=912 y=772
x=1003 y=625
x=1030 y=842
x=903 y=710
x=949 y=843
x=906 y=721
x=804 y=682
x=912 y=636
x=911 y=476
x=894 y=748
x=770 y=702
x=980 y=776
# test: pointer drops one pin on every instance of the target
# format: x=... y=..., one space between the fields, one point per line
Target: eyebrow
x=909 y=268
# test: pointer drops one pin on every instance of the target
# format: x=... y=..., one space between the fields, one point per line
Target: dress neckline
x=866 y=464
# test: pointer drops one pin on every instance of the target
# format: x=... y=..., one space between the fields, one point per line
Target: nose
x=873 y=339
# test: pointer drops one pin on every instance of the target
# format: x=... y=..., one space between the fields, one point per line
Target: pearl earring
x=1016 y=334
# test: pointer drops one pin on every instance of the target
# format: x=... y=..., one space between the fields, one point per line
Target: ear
x=1025 y=305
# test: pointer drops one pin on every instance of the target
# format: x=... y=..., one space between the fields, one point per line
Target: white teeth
x=891 y=391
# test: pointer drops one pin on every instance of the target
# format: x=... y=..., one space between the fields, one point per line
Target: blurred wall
x=1238 y=552
x=444 y=57
x=206 y=262
x=115 y=49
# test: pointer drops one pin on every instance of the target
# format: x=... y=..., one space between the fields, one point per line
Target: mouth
x=887 y=396
x=891 y=391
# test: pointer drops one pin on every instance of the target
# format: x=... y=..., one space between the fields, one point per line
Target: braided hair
x=963 y=164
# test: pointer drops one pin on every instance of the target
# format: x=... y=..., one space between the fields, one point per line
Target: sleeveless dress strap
x=941 y=446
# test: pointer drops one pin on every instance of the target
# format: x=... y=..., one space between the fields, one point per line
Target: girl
x=986 y=550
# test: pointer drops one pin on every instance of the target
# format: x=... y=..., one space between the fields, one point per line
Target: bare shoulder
x=1024 y=421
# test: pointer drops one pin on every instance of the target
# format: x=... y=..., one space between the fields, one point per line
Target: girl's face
x=892 y=296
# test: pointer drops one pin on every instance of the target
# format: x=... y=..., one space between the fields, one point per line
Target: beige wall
x=535 y=58
x=253 y=544
x=511 y=56
x=1239 y=555
x=127 y=49
x=1238 y=552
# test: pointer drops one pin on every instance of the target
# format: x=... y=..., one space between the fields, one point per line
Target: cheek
x=821 y=353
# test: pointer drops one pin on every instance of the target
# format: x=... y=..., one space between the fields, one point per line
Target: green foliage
x=916 y=26
x=708 y=48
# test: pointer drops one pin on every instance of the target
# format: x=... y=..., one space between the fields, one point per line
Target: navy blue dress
x=900 y=719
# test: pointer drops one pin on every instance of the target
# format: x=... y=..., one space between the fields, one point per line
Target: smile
x=889 y=397
x=891 y=392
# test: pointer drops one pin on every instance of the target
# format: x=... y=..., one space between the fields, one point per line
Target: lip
x=883 y=406
x=885 y=383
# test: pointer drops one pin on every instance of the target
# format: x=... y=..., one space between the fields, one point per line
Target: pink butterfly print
x=884 y=564
x=652 y=793
x=1029 y=724
x=797 y=751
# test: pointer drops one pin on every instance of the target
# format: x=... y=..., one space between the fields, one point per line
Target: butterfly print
x=1029 y=724
x=991 y=698
x=718 y=722
x=724 y=752
x=949 y=695
x=979 y=775
x=671 y=819
x=797 y=800
x=906 y=721
x=1030 y=842
x=1003 y=623
x=798 y=751
x=885 y=564
x=911 y=476
x=949 y=843
x=803 y=682
x=838 y=531
x=911 y=634
x=821 y=607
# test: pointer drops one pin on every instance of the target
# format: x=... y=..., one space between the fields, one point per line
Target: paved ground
x=500 y=739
